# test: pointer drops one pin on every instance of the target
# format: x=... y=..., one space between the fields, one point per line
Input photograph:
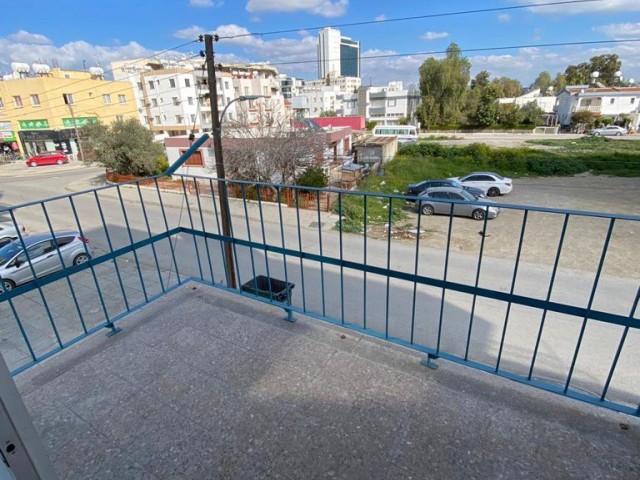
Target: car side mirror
x=17 y=263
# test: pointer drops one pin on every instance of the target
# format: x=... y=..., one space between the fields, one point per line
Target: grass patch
x=435 y=138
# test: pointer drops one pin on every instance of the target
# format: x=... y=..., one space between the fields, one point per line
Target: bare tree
x=264 y=145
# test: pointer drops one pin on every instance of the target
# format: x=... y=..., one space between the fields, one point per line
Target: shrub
x=313 y=177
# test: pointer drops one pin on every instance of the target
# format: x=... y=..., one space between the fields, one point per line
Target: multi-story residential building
x=173 y=96
x=41 y=107
x=602 y=102
x=345 y=84
x=337 y=55
x=290 y=86
x=386 y=105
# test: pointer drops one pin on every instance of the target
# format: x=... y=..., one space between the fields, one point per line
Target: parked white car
x=491 y=183
x=8 y=233
x=609 y=131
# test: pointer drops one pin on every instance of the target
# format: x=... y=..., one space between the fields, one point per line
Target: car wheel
x=596 y=134
x=478 y=214
x=618 y=134
x=33 y=164
x=493 y=192
x=60 y=162
x=9 y=285
x=427 y=210
x=80 y=259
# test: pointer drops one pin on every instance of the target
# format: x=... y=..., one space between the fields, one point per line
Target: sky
x=79 y=33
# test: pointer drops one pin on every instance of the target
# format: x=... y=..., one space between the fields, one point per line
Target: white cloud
x=189 y=33
x=325 y=8
x=434 y=35
x=205 y=3
x=381 y=17
x=504 y=18
x=68 y=55
x=609 y=6
x=619 y=30
x=22 y=36
x=537 y=35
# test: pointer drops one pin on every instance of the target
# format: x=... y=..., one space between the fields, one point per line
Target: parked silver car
x=609 y=131
x=43 y=252
x=8 y=233
x=437 y=200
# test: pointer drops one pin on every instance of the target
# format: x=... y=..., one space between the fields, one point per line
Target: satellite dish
x=595 y=74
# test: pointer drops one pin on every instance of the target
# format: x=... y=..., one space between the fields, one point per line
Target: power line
x=479 y=49
x=416 y=17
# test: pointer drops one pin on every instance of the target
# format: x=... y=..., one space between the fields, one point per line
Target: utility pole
x=69 y=101
x=217 y=148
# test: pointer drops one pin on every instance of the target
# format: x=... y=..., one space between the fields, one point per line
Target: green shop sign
x=80 y=121
x=7 y=136
x=33 y=124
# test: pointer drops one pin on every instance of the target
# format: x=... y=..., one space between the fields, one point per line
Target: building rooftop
x=375 y=141
x=205 y=384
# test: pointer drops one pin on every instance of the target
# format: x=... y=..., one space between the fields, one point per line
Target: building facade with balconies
x=613 y=103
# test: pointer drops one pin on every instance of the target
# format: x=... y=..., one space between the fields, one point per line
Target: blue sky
x=101 y=31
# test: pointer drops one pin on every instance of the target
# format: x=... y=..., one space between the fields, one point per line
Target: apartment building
x=386 y=105
x=608 y=102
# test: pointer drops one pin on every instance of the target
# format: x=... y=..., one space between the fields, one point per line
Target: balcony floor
x=202 y=384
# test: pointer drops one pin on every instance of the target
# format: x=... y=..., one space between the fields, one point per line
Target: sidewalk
x=20 y=169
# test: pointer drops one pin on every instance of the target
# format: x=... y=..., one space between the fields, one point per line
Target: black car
x=416 y=189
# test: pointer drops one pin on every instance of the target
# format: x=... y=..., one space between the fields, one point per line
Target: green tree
x=582 y=119
x=531 y=114
x=370 y=125
x=486 y=113
x=507 y=87
x=543 y=81
x=481 y=80
x=509 y=114
x=124 y=147
x=403 y=121
x=559 y=82
x=313 y=176
x=443 y=85
x=606 y=66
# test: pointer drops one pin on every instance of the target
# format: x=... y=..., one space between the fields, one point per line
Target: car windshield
x=8 y=252
x=455 y=183
x=467 y=196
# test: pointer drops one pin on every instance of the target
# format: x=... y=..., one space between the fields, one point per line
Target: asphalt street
x=387 y=306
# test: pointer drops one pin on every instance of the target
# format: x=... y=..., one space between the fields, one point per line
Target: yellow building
x=40 y=112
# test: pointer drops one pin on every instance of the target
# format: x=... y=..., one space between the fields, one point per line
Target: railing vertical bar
x=324 y=309
x=135 y=253
x=91 y=267
x=415 y=272
x=444 y=278
x=166 y=226
x=297 y=198
x=389 y=230
x=35 y=278
x=513 y=287
x=73 y=292
x=22 y=330
x=284 y=255
x=476 y=283
x=341 y=259
x=246 y=217
x=153 y=246
x=215 y=212
x=592 y=296
x=108 y=236
x=614 y=364
x=195 y=240
x=264 y=240
x=366 y=234
x=204 y=229
x=551 y=283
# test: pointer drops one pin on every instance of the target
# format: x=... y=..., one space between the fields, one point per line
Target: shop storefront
x=8 y=140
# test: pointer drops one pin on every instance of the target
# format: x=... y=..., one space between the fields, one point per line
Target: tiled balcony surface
x=202 y=384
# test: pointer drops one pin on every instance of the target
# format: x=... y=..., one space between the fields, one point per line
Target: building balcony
x=378 y=95
x=588 y=108
x=377 y=111
x=205 y=380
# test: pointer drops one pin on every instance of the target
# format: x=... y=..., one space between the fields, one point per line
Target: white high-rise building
x=337 y=55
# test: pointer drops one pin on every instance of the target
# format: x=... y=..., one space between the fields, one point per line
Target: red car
x=47 y=158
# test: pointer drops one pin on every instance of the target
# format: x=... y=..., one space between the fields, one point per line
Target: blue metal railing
x=501 y=314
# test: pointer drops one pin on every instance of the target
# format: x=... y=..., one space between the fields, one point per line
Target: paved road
x=343 y=295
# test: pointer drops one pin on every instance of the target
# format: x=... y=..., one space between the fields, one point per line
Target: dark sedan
x=416 y=189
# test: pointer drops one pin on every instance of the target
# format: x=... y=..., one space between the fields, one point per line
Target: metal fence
x=542 y=296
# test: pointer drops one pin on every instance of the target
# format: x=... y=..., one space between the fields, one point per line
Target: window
x=164 y=117
x=106 y=99
x=1 y=103
x=158 y=119
x=228 y=100
x=17 y=101
x=35 y=100
x=172 y=83
x=455 y=196
x=195 y=159
x=193 y=118
x=175 y=100
x=161 y=100
x=246 y=90
x=265 y=91
x=443 y=195
x=140 y=86
x=391 y=103
x=612 y=101
x=146 y=119
x=190 y=100
x=226 y=85
x=151 y=85
x=633 y=100
x=66 y=75
x=122 y=99
x=187 y=82
x=230 y=115
x=119 y=118
x=154 y=102
x=236 y=90
x=179 y=119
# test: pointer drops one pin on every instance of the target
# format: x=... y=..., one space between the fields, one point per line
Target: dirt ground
x=584 y=238
x=507 y=139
